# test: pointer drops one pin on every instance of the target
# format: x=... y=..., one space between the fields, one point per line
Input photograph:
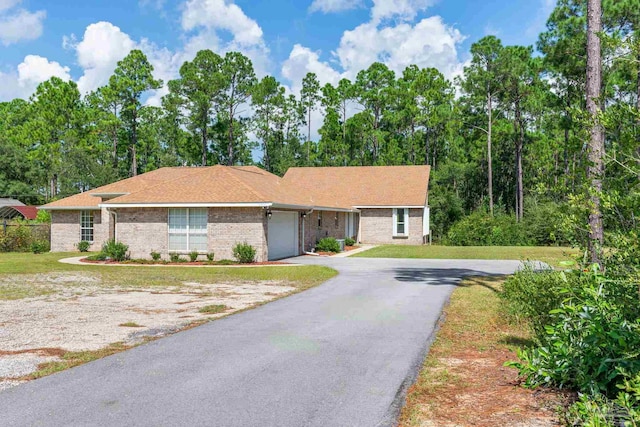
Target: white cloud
x=20 y=24
x=303 y=60
x=429 y=43
x=221 y=15
x=102 y=46
x=332 y=6
x=8 y=4
x=400 y=9
x=30 y=73
x=391 y=37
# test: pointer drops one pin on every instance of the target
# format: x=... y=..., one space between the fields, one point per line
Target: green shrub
x=193 y=256
x=210 y=256
x=480 y=229
x=117 y=251
x=530 y=295
x=328 y=244
x=83 y=246
x=599 y=411
x=174 y=257
x=592 y=342
x=17 y=239
x=155 y=256
x=349 y=241
x=544 y=224
x=40 y=246
x=43 y=217
x=97 y=257
x=244 y=253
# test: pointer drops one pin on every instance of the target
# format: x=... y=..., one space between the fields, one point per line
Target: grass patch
x=213 y=309
x=549 y=254
x=463 y=381
x=20 y=275
x=75 y=358
x=130 y=325
x=9 y=291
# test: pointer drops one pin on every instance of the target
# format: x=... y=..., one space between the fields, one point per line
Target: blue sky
x=83 y=40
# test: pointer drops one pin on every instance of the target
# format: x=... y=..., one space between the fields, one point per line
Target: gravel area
x=18 y=365
x=76 y=313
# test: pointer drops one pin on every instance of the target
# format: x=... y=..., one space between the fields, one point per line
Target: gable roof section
x=360 y=186
x=218 y=184
x=331 y=187
x=89 y=200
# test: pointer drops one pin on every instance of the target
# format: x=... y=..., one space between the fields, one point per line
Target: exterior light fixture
x=269 y=214
x=303 y=215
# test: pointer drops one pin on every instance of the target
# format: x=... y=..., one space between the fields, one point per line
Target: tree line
x=508 y=135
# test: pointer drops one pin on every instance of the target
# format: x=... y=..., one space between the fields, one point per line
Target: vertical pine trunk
x=204 y=145
x=134 y=143
x=309 y=136
x=489 y=161
x=53 y=185
x=595 y=168
x=115 y=148
x=230 y=147
x=520 y=171
x=426 y=147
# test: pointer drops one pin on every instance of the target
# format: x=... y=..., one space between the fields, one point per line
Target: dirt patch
x=463 y=381
x=478 y=390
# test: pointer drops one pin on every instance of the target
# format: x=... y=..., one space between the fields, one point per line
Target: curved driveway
x=340 y=354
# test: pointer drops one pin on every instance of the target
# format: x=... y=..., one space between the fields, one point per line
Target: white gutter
x=307 y=207
x=389 y=207
x=69 y=208
x=185 y=205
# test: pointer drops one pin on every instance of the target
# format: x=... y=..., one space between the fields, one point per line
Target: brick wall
x=313 y=233
x=377 y=227
x=229 y=226
x=143 y=230
x=65 y=230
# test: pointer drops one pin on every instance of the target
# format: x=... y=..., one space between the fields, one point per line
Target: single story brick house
x=211 y=209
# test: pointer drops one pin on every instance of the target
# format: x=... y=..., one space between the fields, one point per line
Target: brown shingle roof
x=129 y=185
x=363 y=185
x=341 y=187
x=219 y=184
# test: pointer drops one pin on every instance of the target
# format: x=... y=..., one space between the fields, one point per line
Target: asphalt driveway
x=340 y=354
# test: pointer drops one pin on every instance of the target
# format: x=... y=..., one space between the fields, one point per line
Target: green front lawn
x=550 y=255
x=22 y=275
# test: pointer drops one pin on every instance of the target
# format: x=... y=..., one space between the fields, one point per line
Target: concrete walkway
x=340 y=354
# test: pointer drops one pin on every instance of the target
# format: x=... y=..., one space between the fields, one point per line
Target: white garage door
x=283 y=235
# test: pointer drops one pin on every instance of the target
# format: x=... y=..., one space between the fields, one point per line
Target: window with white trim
x=187 y=230
x=86 y=226
x=400 y=222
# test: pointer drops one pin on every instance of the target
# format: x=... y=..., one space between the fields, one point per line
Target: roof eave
x=389 y=206
x=69 y=208
x=186 y=205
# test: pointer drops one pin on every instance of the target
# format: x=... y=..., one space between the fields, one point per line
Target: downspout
x=115 y=224
x=304 y=237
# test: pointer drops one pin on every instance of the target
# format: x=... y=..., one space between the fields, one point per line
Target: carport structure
x=12 y=208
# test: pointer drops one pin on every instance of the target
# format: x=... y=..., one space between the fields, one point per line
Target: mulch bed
x=185 y=263
x=346 y=249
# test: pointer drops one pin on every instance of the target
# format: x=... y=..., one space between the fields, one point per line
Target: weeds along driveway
x=339 y=354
